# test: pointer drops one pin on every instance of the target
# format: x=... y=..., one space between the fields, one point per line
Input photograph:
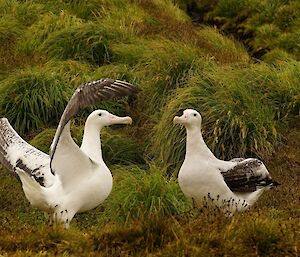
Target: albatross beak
x=120 y=120
x=179 y=120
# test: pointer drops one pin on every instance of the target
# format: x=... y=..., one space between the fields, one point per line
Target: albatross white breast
x=71 y=179
x=227 y=185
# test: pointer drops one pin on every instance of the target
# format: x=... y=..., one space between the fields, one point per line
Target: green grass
x=238 y=67
x=33 y=98
x=143 y=194
x=36 y=34
x=10 y=29
x=84 y=42
x=261 y=25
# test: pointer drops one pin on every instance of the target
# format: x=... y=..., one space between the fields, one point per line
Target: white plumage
x=70 y=179
x=227 y=185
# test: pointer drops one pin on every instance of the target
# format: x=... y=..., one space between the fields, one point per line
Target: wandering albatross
x=70 y=179
x=228 y=186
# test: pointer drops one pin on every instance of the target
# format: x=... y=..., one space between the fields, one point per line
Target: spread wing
x=88 y=94
x=247 y=176
x=15 y=153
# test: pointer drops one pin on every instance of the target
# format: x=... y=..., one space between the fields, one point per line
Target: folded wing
x=247 y=176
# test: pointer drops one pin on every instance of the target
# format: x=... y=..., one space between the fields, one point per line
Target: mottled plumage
x=245 y=176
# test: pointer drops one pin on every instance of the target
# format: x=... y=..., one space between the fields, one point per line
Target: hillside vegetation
x=236 y=62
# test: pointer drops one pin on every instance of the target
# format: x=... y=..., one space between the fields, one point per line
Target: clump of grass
x=121 y=150
x=25 y=12
x=230 y=8
x=120 y=71
x=277 y=56
x=10 y=29
x=123 y=17
x=165 y=19
x=168 y=7
x=33 y=98
x=266 y=37
x=73 y=72
x=221 y=48
x=36 y=34
x=261 y=25
x=287 y=15
x=138 y=193
x=28 y=12
x=86 y=10
x=156 y=65
x=85 y=42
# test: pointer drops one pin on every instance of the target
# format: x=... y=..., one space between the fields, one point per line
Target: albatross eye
x=100 y=114
x=195 y=114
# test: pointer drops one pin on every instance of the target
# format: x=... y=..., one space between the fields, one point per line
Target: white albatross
x=228 y=186
x=70 y=179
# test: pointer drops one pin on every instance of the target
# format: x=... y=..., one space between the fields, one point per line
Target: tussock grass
x=73 y=72
x=267 y=37
x=156 y=65
x=121 y=71
x=261 y=25
x=33 y=98
x=86 y=10
x=28 y=12
x=129 y=19
x=25 y=12
x=142 y=194
x=277 y=56
x=10 y=29
x=221 y=48
x=122 y=150
x=85 y=42
x=36 y=34
x=168 y=7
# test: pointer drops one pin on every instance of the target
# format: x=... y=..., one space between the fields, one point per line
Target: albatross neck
x=91 y=142
x=195 y=145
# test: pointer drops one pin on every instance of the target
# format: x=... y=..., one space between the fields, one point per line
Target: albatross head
x=190 y=119
x=103 y=118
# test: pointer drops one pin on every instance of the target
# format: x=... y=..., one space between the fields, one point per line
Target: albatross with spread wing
x=70 y=179
x=226 y=185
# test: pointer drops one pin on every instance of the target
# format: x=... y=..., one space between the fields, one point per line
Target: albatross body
x=226 y=185
x=70 y=179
